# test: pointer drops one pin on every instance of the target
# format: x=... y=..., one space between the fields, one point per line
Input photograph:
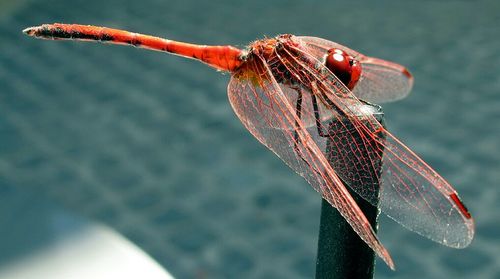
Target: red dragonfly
x=286 y=90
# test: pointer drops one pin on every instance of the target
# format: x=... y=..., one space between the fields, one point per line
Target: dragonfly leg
x=378 y=107
x=317 y=117
x=298 y=111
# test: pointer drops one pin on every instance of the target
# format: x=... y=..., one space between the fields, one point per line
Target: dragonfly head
x=343 y=66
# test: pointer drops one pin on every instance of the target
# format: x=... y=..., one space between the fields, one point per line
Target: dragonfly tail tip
x=30 y=31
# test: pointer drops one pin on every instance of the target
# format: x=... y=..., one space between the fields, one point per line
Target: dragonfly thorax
x=277 y=54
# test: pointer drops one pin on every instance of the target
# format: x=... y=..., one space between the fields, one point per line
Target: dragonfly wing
x=417 y=197
x=268 y=110
x=381 y=81
x=411 y=192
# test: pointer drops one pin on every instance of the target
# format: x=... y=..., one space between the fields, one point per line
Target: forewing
x=411 y=192
x=381 y=81
x=268 y=111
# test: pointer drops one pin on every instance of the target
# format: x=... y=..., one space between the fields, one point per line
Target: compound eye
x=343 y=66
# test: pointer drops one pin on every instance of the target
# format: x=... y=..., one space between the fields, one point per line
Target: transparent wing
x=381 y=81
x=411 y=192
x=268 y=110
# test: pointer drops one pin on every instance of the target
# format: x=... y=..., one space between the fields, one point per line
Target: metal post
x=341 y=252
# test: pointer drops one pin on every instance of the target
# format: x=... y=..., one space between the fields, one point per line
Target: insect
x=285 y=90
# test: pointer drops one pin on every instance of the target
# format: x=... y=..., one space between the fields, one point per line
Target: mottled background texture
x=148 y=144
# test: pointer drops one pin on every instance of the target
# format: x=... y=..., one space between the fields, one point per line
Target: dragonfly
x=286 y=90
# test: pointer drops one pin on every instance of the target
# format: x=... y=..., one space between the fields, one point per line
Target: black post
x=341 y=252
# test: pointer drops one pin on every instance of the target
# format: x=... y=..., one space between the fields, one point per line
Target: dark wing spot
x=460 y=205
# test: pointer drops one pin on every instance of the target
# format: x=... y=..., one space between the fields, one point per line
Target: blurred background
x=144 y=148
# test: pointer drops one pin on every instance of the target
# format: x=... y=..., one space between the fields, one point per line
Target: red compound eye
x=343 y=66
